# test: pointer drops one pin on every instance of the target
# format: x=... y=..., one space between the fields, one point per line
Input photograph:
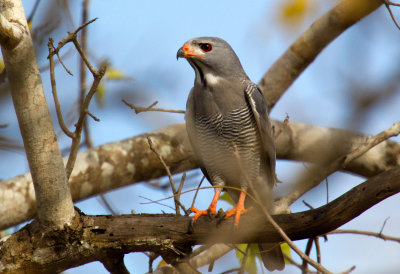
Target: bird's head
x=211 y=55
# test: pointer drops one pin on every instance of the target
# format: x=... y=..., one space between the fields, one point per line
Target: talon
x=210 y=211
x=238 y=210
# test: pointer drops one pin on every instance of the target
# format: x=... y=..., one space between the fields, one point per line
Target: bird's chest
x=217 y=136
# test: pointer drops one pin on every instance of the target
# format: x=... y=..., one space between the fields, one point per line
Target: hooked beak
x=186 y=51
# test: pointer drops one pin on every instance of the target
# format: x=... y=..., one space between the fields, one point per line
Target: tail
x=272 y=257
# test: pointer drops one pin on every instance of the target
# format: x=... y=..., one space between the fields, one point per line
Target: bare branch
x=150 y=108
x=54 y=91
x=307 y=47
x=367 y=233
x=317 y=174
x=121 y=163
x=89 y=236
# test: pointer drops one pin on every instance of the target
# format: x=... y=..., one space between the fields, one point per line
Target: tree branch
x=89 y=238
x=52 y=192
x=125 y=162
x=306 y=48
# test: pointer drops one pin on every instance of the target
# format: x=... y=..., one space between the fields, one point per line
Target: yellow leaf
x=30 y=25
x=286 y=251
x=2 y=66
x=115 y=74
x=162 y=263
x=250 y=266
x=100 y=94
x=225 y=197
x=294 y=8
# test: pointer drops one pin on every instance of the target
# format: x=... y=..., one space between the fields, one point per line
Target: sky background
x=141 y=38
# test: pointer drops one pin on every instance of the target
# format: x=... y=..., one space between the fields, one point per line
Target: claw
x=210 y=211
x=238 y=210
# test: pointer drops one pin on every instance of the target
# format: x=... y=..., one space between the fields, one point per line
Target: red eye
x=206 y=47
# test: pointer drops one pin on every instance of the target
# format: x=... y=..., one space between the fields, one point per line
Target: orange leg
x=238 y=209
x=212 y=209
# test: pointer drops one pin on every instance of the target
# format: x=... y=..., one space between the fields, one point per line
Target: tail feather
x=272 y=257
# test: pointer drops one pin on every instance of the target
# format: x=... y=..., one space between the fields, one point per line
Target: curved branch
x=306 y=48
x=128 y=161
x=89 y=238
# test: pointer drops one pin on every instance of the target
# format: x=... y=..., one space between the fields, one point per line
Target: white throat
x=211 y=79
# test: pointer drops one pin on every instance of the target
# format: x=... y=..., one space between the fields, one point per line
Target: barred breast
x=216 y=135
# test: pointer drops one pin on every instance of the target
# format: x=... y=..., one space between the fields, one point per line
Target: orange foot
x=238 y=209
x=212 y=209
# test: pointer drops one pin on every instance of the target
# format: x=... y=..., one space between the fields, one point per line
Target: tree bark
x=125 y=162
x=90 y=238
x=54 y=202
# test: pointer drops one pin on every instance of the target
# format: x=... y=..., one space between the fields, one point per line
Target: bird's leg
x=238 y=209
x=212 y=209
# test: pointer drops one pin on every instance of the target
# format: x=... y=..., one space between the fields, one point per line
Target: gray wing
x=259 y=108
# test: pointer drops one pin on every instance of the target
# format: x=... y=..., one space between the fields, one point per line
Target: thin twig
x=197 y=191
x=282 y=127
x=54 y=91
x=171 y=181
x=178 y=193
x=244 y=260
x=79 y=124
x=293 y=262
x=388 y=4
x=70 y=37
x=64 y=66
x=307 y=252
x=33 y=12
x=107 y=205
x=155 y=202
x=383 y=225
x=317 y=249
x=94 y=118
x=366 y=233
x=150 y=108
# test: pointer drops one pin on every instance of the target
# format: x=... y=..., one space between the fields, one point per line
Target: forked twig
x=151 y=108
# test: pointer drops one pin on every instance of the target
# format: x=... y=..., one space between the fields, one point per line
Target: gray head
x=211 y=56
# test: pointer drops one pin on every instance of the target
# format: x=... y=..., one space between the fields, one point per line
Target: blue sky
x=141 y=38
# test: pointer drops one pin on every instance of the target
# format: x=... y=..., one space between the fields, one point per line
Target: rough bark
x=91 y=238
x=54 y=204
x=121 y=163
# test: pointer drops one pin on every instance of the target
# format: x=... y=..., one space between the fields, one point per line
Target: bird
x=226 y=119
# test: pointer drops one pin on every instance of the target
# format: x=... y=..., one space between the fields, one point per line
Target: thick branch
x=306 y=48
x=44 y=157
x=121 y=163
x=92 y=237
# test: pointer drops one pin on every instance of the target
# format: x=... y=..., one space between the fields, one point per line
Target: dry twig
x=151 y=108
x=84 y=110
